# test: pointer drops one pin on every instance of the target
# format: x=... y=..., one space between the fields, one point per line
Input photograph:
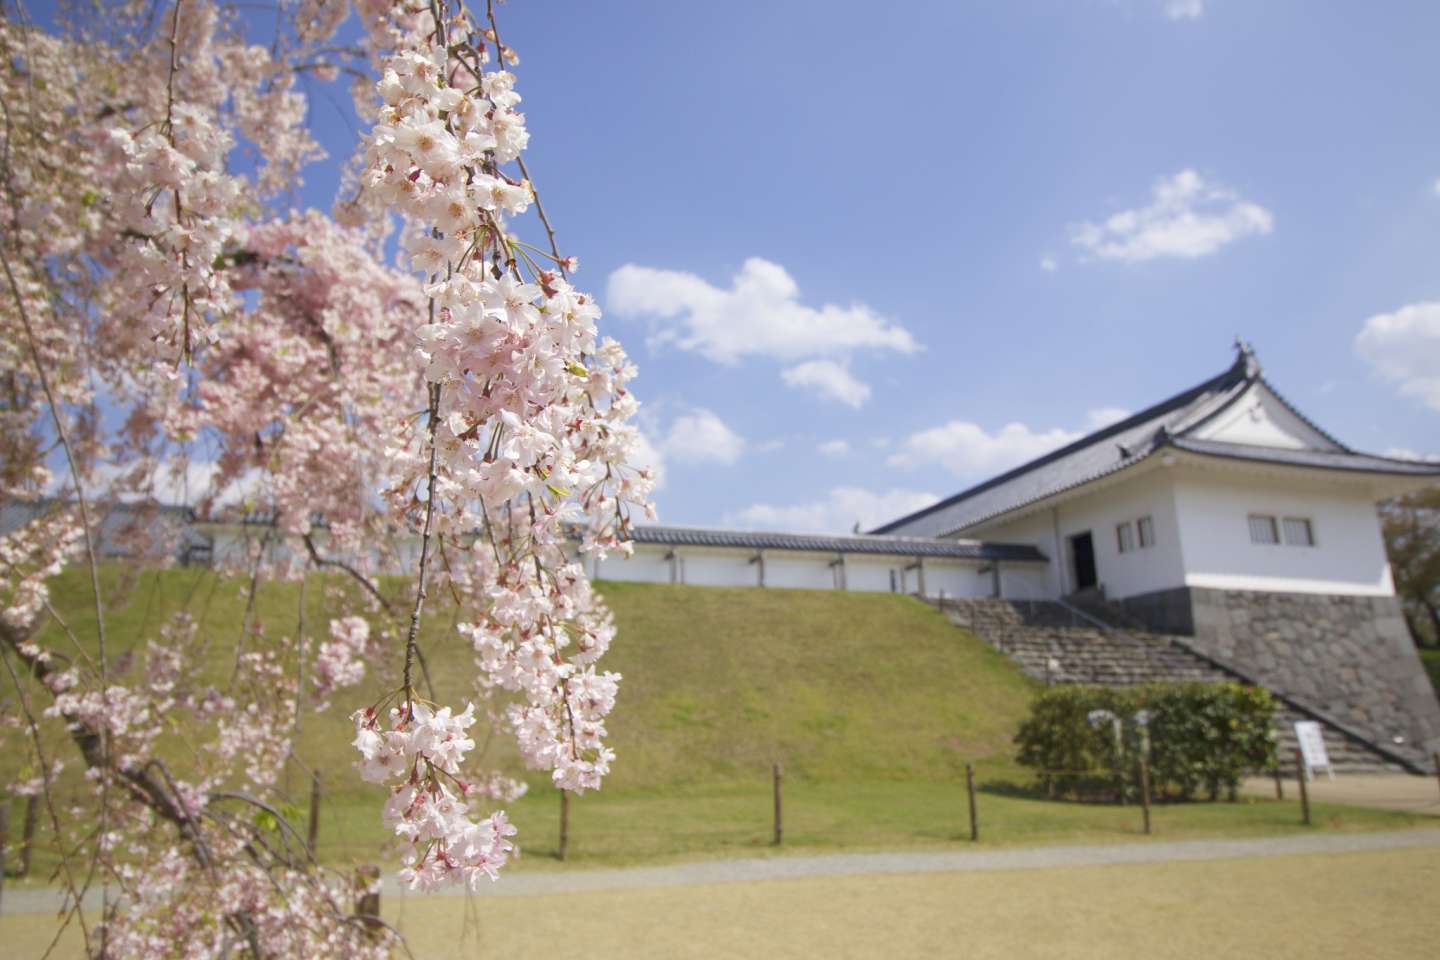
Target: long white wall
x=1348 y=555
x=871 y=573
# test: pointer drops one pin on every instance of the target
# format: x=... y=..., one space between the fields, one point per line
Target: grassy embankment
x=873 y=703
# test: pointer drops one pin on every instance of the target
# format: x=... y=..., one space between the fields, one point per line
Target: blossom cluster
x=423 y=749
x=340 y=661
x=29 y=556
x=147 y=166
x=527 y=433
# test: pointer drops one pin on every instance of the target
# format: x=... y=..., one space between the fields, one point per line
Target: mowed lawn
x=873 y=704
x=1379 y=906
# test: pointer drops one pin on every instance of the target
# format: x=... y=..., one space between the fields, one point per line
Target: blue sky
x=963 y=231
x=922 y=164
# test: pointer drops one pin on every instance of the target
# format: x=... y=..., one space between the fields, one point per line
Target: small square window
x=1145 y=527
x=1298 y=532
x=1263 y=530
x=1125 y=537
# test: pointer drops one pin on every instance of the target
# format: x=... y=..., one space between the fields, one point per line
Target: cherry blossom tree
x=404 y=366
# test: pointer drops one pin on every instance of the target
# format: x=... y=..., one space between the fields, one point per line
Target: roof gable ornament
x=1245 y=354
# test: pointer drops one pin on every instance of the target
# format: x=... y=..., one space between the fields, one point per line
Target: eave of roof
x=819 y=543
x=1347 y=460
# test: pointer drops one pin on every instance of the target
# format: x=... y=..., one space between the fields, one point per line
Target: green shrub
x=1200 y=736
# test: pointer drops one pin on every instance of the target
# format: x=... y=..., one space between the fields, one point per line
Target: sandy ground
x=48 y=900
x=1386 y=791
x=1372 y=904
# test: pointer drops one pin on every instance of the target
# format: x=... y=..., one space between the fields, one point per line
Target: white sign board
x=1312 y=747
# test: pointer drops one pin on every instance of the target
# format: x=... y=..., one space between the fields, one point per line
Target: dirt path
x=1384 y=791
x=879 y=864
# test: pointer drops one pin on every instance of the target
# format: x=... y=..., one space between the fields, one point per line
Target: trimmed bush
x=1201 y=736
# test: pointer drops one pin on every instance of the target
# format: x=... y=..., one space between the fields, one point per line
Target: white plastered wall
x=870 y=573
x=1214 y=506
x=1025 y=581
x=1144 y=493
x=647 y=565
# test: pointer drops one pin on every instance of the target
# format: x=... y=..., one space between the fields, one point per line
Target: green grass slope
x=873 y=703
x=718 y=683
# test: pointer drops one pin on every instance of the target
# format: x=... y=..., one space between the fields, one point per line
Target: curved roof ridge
x=1238 y=372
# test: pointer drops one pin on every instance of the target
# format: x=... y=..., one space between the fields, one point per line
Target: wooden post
x=778 y=775
x=564 y=823
x=1304 y=788
x=4 y=842
x=1145 y=792
x=367 y=894
x=1436 y=757
x=313 y=833
x=1279 y=782
x=974 y=813
x=27 y=839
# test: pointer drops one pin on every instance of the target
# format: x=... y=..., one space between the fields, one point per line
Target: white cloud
x=174 y=482
x=837 y=512
x=1436 y=187
x=1405 y=453
x=1404 y=348
x=1104 y=416
x=1187 y=218
x=967 y=450
x=702 y=437
x=828 y=379
x=834 y=448
x=1184 y=9
x=760 y=314
x=649 y=456
x=1048 y=264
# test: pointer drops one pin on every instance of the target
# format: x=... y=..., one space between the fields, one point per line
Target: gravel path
x=47 y=900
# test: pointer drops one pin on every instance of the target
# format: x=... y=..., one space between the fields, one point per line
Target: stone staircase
x=1055 y=643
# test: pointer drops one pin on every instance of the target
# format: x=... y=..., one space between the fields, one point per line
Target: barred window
x=1263 y=529
x=1145 y=527
x=1125 y=537
x=1298 y=532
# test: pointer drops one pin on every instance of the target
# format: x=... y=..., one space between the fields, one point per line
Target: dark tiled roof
x=1323 y=459
x=1124 y=444
x=1104 y=451
x=819 y=543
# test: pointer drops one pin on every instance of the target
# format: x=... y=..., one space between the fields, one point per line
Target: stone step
x=1052 y=645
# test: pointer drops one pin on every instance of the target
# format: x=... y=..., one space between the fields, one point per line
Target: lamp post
x=1142 y=720
x=1098 y=718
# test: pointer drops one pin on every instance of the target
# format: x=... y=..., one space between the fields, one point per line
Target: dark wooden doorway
x=1082 y=556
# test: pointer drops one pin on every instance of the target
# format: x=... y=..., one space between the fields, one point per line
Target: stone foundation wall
x=1350 y=656
x=1166 y=611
